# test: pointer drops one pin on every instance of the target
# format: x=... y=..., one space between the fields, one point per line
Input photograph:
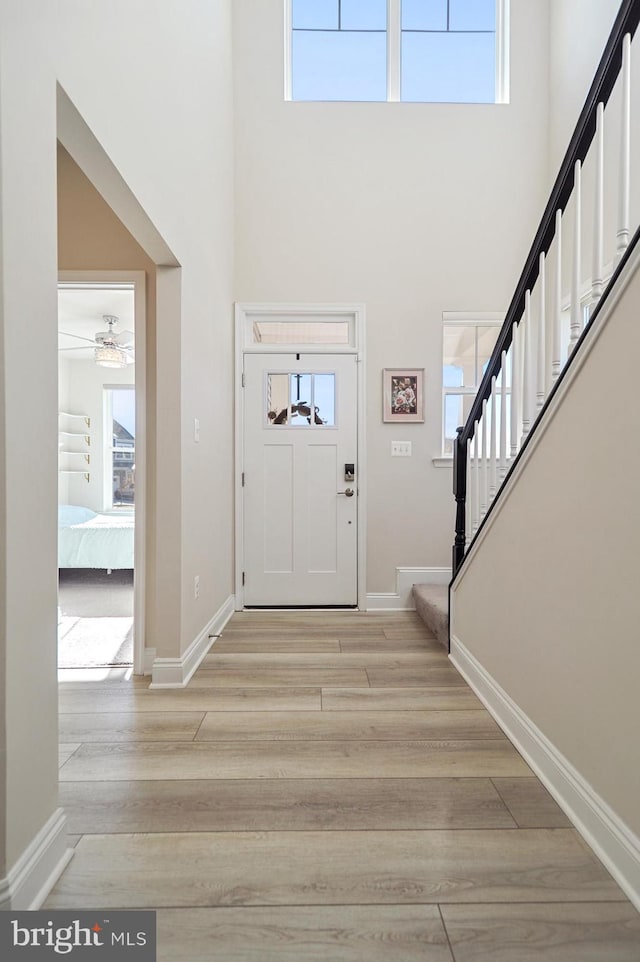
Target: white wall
x=548 y=602
x=413 y=209
x=189 y=199
x=578 y=33
x=154 y=87
x=27 y=174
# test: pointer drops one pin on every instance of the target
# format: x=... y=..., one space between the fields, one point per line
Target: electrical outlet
x=401 y=449
x=196 y=587
x=196 y=429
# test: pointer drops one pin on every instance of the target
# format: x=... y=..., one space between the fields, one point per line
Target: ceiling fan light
x=108 y=355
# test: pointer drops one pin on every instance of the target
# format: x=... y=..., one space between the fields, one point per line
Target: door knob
x=349 y=493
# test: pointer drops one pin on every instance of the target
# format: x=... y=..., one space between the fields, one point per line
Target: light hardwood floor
x=327 y=789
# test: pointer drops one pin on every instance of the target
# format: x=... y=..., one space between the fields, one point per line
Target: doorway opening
x=100 y=454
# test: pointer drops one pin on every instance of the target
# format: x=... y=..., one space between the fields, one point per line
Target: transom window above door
x=300 y=328
x=430 y=51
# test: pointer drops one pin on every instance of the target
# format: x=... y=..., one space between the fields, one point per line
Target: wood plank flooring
x=326 y=789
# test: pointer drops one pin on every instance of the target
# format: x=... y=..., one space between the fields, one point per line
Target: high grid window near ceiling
x=412 y=50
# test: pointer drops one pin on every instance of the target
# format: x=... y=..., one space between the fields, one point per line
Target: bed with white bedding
x=90 y=540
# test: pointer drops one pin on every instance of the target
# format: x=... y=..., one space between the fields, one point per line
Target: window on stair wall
x=430 y=51
x=467 y=342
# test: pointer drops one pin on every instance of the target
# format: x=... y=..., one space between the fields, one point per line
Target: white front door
x=300 y=498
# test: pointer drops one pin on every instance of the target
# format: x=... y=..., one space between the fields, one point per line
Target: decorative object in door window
x=300 y=400
x=403 y=394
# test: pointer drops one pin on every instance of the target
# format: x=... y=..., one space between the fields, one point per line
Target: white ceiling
x=80 y=312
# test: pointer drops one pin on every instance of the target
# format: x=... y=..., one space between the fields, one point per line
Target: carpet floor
x=95 y=622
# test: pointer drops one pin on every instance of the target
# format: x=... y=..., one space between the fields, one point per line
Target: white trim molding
x=136 y=280
x=604 y=831
x=177 y=672
x=39 y=867
x=402 y=598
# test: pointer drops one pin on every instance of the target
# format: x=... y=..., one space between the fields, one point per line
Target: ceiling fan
x=111 y=348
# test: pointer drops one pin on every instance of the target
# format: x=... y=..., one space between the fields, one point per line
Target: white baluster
x=623 y=233
x=516 y=387
x=541 y=340
x=576 y=306
x=476 y=488
x=527 y=374
x=485 y=460
x=597 y=284
x=494 y=436
x=503 y=419
x=556 y=359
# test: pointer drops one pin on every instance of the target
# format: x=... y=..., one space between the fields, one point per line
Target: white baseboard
x=386 y=601
x=177 y=672
x=610 y=838
x=406 y=578
x=39 y=867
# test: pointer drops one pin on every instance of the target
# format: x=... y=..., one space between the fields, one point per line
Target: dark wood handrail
x=603 y=83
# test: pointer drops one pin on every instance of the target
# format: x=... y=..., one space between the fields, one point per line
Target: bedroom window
x=428 y=51
x=120 y=419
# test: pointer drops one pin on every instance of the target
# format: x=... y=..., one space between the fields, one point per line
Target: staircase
x=552 y=311
x=584 y=240
x=544 y=597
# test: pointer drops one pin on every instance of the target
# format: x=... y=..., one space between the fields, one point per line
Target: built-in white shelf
x=76 y=434
x=85 y=474
x=83 y=435
x=81 y=454
x=84 y=417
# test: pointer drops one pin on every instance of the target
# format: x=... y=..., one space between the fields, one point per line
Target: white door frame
x=138 y=280
x=244 y=344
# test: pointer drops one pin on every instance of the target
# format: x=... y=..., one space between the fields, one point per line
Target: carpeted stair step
x=432 y=604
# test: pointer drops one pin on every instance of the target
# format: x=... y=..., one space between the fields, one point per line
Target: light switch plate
x=401 y=449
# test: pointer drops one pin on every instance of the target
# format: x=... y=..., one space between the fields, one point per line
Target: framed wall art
x=403 y=394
